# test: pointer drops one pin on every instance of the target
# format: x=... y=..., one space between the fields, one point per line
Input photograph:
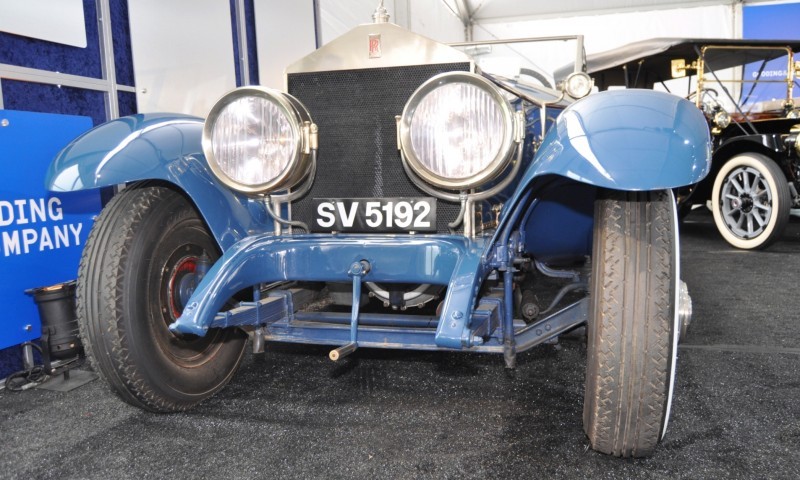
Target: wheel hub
x=745 y=203
x=182 y=272
x=187 y=286
x=182 y=283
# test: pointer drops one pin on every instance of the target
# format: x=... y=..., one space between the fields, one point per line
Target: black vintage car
x=747 y=90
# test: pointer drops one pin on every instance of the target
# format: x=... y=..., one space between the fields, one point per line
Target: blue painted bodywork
x=625 y=140
x=633 y=140
x=157 y=147
x=431 y=259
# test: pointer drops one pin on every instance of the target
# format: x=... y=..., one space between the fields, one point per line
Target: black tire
x=632 y=324
x=751 y=201
x=145 y=243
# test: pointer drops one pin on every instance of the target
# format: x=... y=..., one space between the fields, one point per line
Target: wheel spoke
x=727 y=212
x=762 y=206
x=761 y=220
x=735 y=184
x=750 y=228
x=746 y=180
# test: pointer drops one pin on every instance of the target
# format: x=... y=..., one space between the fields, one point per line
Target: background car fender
x=157 y=147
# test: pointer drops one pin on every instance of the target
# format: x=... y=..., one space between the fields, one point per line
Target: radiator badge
x=375 y=45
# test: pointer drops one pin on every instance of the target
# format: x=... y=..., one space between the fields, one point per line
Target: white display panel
x=59 y=21
x=183 y=58
x=284 y=33
x=432 y=19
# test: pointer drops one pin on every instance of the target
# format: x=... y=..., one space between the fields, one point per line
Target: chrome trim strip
x=13 y=72
x=107 y=66
x=518 y=40
x=241 y=27
x=580 y=56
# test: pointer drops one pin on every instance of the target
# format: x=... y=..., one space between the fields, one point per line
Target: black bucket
x=56 y=305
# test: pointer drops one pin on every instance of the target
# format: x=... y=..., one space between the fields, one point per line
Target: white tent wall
x=283 y=38
x=175 y=73
x=605 y=31
x=430 y=18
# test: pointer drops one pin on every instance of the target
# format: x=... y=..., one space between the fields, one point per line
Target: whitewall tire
x=750 y=201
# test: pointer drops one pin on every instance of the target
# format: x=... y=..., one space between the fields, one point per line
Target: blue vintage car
x=395 y=196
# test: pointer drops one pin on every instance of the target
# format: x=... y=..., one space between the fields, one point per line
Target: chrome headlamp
x=258 y=140
x=578 y=85
x=457 y=131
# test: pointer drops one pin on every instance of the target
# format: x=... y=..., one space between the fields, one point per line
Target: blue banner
x=770 y=22
x=41 y=234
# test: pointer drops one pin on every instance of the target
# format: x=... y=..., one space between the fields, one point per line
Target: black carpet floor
x=291 y=413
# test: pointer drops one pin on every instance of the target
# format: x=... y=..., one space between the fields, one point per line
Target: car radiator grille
x=358 y=154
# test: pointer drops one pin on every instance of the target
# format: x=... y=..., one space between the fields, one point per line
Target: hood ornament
x=381 y=15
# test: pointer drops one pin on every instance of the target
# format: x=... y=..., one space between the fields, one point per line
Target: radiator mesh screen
x=358 y=154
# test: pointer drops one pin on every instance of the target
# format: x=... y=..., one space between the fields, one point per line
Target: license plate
x=372 y=215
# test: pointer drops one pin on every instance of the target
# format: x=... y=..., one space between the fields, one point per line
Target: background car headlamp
x=722 y=119
x=578 y=85
x=256 y=140
x=457 y=131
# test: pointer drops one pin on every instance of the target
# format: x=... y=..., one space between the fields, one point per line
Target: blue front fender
x=157 y=147
x=626 y=140
x=635 y=140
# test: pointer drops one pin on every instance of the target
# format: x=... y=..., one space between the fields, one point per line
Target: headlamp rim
x=297 y=115
x=493 y=168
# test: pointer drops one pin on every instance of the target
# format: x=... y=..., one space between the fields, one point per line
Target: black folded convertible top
x=643 y=63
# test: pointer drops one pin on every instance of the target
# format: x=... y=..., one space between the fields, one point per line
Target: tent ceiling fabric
x=481 y=11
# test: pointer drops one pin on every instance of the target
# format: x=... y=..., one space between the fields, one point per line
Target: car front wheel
x=144 y=256
x=632 y=327
x=750 y=201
